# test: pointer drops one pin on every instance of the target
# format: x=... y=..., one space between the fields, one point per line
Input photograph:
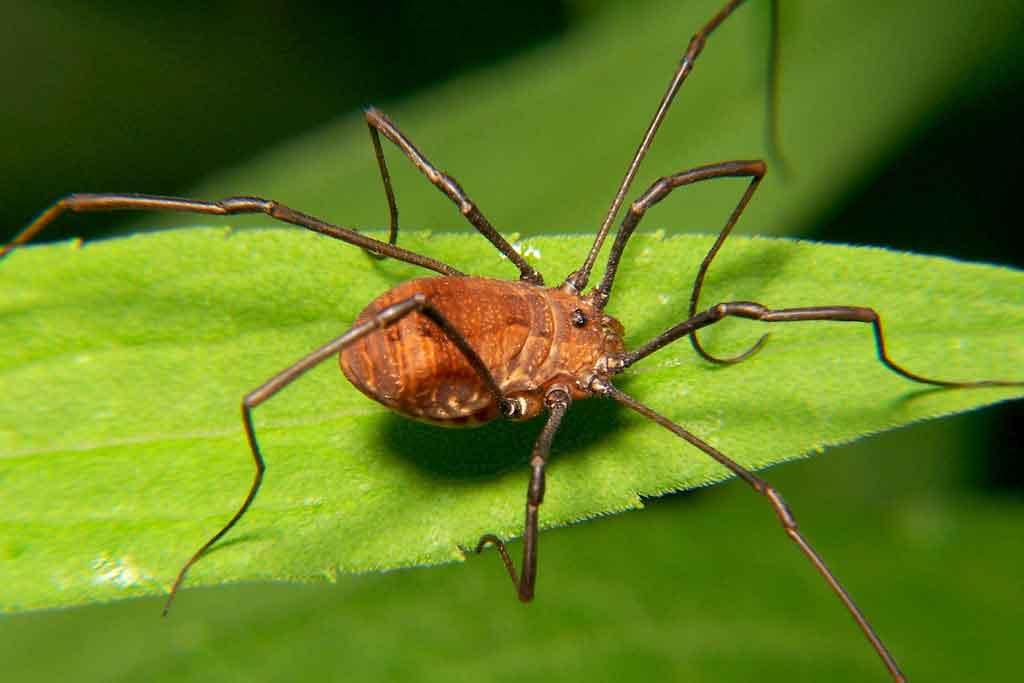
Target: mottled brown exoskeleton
x=458 y=350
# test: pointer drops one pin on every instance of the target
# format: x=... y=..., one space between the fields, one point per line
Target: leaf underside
x=124 y=363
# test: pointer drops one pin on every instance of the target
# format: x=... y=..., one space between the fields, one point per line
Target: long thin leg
x=771 y=117
x=80 y=203
x=385 y=177
x=558 y=402
x=661 y=188
x=377 y=121
x=754 y=170
x=578 y=279
x=786 y=518
x=386 y=317
x=755 y=311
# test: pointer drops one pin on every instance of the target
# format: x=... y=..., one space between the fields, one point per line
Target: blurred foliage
x=723 y=597
x=151 y=96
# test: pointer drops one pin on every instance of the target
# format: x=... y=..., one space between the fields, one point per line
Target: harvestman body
x=459 y=350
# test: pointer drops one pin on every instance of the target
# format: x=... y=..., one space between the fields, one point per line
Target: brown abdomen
x=415 y=369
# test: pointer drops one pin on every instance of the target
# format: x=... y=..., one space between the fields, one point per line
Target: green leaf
x=124 y=362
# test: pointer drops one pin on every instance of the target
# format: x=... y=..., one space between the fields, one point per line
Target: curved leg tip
x=758 y=345
x=488 y=539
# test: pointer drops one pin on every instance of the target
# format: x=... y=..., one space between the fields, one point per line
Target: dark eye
x=579 y=319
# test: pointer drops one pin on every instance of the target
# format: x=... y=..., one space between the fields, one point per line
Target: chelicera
x=458 y=350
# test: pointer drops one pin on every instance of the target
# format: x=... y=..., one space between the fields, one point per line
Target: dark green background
x=925 y=522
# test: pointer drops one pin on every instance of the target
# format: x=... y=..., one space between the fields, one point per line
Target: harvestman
x=516 y=349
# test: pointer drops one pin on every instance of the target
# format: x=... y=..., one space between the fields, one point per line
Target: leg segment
x=81 y=203
x=271 y=387
x=378 y=124
x=754 y=170
x=385 y=177
x=578 y=279
x=558 y=402
x=771 y=117
x=786 y=518
x=755 y=311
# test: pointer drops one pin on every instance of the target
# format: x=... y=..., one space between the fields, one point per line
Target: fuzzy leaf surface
x=124 y=362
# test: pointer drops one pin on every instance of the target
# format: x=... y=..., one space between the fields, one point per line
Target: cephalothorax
x=457 y=350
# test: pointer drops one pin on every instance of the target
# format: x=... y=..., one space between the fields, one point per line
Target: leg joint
x=247 y=205
x=781 y=509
